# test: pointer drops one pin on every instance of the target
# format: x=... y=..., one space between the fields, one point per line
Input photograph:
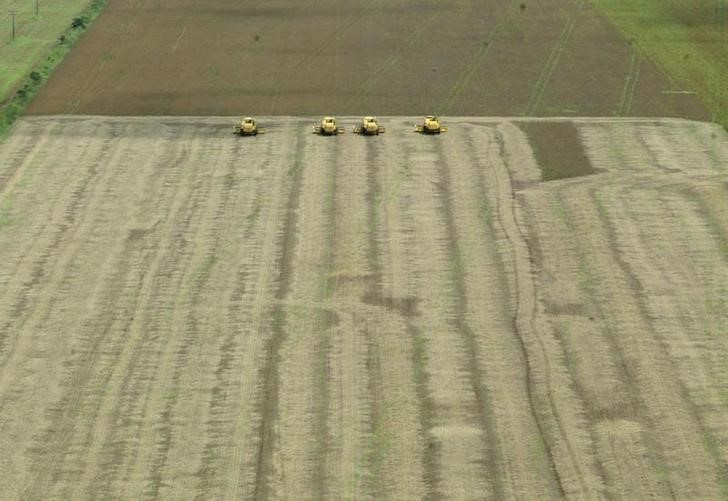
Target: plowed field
x=186 y=313
x=359 y=57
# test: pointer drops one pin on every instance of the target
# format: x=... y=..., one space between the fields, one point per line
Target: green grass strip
x=687 y=40
x=15 y=106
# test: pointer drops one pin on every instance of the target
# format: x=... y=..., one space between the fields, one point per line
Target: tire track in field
x=467 y=73
x=475 y=373
x=552 y=61
x=375 y=382
x=524 y=322
x=270 y=384
x=256 y=400
x=329 y=320
x=624 y=106
x=572 y=315
x=522 y=473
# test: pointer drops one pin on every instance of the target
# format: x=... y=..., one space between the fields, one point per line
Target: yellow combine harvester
x=431 y=125
x=328 y=127
x=369 y=127
x=248 y=127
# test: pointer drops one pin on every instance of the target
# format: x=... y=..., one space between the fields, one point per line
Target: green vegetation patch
x=49 y=42
x=686 y=39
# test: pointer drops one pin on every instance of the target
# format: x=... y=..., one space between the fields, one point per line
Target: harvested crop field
x=189 y=313
x=385 y=57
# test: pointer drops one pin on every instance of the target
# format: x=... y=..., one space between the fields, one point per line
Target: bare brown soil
x=558 y=150
x=185 y=313
x=387 y=57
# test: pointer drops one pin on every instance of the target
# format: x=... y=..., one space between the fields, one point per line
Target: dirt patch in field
x=558 y=150
x=394 y=57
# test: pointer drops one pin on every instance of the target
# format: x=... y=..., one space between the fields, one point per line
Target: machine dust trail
x=401 y=316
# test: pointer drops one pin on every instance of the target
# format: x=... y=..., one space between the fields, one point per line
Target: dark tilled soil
x=395 y=57
x=558 y=150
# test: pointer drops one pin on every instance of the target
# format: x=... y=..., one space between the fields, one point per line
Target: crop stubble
x=185 y=312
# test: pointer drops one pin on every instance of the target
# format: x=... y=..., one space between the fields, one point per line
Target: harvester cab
x=248 y=127
x=431 y=125
x=369 y=127
x=328 y=127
